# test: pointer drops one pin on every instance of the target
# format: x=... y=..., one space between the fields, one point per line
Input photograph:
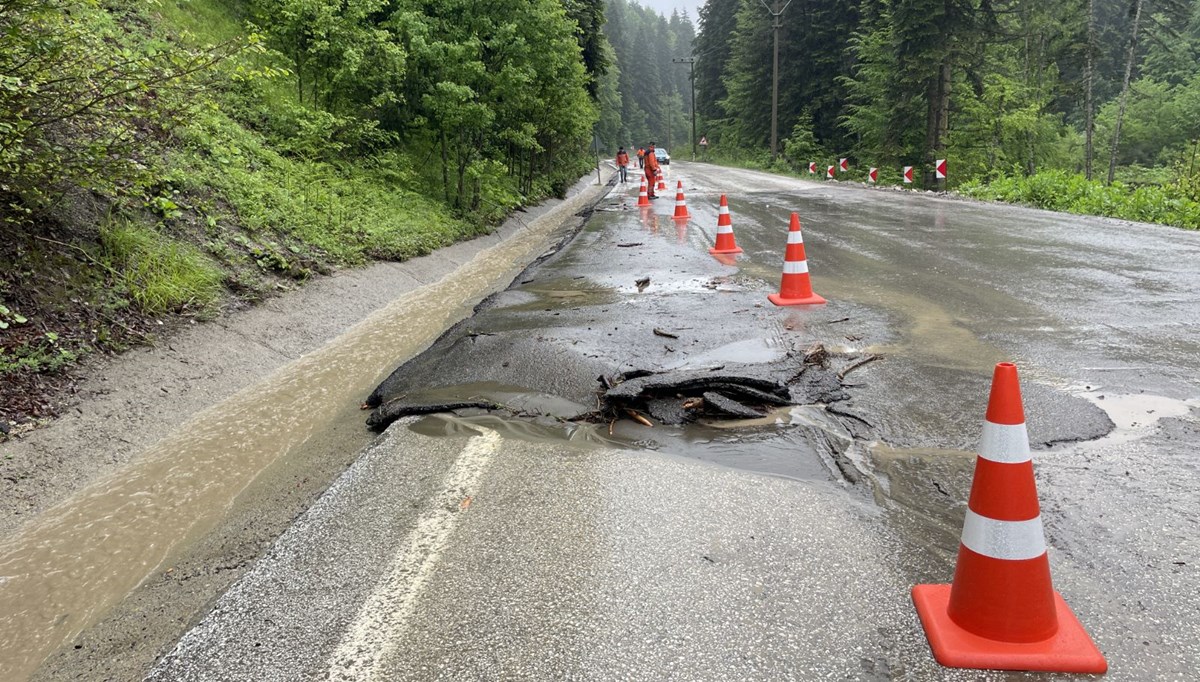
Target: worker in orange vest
x=641 y=154
x=622 y=163
x=651 y=166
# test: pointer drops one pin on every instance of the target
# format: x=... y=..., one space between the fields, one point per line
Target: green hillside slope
x=161 y=161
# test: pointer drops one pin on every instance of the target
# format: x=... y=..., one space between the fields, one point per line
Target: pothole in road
x=767 y=416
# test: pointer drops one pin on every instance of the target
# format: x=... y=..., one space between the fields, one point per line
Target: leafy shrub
x=1071 y=193
x=80 y=98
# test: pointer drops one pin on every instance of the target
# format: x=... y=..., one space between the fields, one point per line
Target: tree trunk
x=938 y=121
x=1028 y=85
x=1089 y=78
x=1031 y=163
x=1116 y=141
x=445 y=168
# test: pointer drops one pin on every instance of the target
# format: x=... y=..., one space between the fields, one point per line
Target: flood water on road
x=1098 y=317
x=75 y=561
x=1101 y=320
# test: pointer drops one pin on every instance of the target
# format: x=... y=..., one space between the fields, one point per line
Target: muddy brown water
x=66 y=569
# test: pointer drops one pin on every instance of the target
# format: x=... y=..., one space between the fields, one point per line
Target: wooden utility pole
x=777 y=17
x=691 y=62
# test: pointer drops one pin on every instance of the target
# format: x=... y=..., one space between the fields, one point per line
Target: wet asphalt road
x=487 y=547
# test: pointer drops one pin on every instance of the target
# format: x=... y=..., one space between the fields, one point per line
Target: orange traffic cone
x=662 y=183
x=643 y=197
x=795 y=288
x=1002 y=611
x=681 y=212
x=725 y=240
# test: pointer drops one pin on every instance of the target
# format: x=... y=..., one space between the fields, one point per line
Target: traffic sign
x=908 y=175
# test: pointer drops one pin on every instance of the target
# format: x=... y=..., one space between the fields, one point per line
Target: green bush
x=81 y=98
x=1071 y=193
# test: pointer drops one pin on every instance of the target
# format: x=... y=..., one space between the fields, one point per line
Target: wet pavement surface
x=199 y=453
x=500 y=546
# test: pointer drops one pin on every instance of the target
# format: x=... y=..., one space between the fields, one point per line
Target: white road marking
x=381 y=621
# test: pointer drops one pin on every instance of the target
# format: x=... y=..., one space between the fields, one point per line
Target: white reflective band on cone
x=1010 y=540
x=795 y=237
x=1004 y=443
x=724 y=229
x=680 y=203
x=790 y=268
x=724 y=211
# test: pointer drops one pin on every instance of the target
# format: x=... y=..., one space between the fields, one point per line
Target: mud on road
x=635 y=299
x=181 y=463
x=635 y=326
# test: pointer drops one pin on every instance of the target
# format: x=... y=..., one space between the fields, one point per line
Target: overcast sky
x=665 y=6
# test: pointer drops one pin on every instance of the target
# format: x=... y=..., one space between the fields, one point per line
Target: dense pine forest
x=1091 y=106
x=172 y=158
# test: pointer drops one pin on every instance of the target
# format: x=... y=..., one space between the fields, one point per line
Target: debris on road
x=855 y=365
x=392 y=410
x=721 y=405
x=816 y=355
x=669 y=335
x=676 y=397
x=642 y=283
x=637 y=417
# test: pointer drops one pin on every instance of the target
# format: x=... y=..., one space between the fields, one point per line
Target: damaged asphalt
x=636 y=293
x=594 y=549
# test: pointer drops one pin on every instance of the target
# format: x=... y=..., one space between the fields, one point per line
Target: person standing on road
x=641 y=154
x=651 y=166
x=622 y=164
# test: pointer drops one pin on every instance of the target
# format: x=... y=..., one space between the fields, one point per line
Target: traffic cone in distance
x=662 y=183
x=795 y=287
x=643 y=197
x=1002 y=612
x=726 y=243
x=681 y=212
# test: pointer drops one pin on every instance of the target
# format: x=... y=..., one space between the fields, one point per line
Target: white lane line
x=380 y=623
